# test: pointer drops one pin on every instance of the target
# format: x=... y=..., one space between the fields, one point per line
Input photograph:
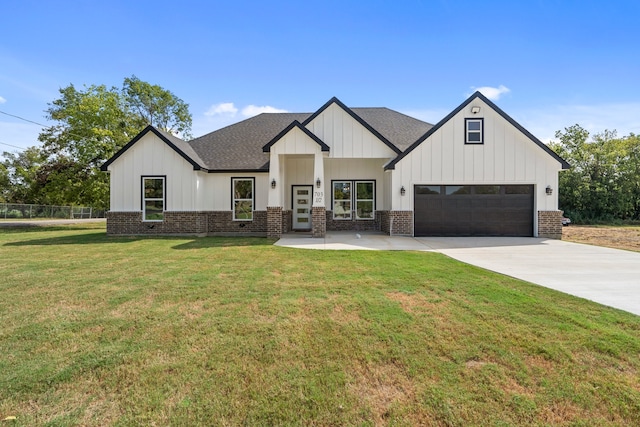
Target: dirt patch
x=414 y=302
x=341 y=315
x=627 y=238
x=380 y=388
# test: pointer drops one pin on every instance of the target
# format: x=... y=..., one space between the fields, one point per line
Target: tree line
x=90 y=126
x=603 y=183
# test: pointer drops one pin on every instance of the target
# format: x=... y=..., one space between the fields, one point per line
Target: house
x=476 y=172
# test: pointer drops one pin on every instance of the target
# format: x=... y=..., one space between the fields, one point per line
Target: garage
x=473 y=210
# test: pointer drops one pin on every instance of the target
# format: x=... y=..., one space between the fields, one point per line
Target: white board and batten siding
x=506 y=157
x=346 y=136
x=147 y=157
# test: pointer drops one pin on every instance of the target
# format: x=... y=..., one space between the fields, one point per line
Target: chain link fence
x=24 y=211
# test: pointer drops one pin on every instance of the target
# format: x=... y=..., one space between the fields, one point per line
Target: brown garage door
x=473 y=210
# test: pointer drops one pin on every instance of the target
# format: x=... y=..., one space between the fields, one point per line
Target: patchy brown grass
x=99 y=331
x=627 y=238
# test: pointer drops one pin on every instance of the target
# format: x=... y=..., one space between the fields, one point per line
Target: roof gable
x=491 y=105
x=356 y=117
x=295 y=125
x=178 y=145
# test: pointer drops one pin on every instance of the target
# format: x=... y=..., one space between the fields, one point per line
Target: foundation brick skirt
x=550 y=224
x=186 y=223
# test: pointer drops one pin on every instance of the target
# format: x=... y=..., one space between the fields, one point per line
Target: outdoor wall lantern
x=475 y=109
x=549 y=190
x=402 y=191
x=318 y=183
x=273 y=183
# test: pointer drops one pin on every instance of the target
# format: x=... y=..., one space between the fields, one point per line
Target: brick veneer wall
x=221 y=222
x=274 y=221
x=550 y=224
x=188 y=222
x=287 y=221
x=401 y=223
x=352 y=224
x=382 y=217
x=318 y=221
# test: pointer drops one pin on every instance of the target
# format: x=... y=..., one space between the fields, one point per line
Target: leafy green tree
x=604 y=181
x=93 y=124
x=157 y=106
x=18 y=176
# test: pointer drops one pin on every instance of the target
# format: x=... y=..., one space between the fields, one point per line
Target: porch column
x=318 y=210
x=274 y=202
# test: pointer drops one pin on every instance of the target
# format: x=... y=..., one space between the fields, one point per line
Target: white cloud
x=226 y=113
x=254 y=110
x=2 y=100
x=493 y=93
x=222 y=109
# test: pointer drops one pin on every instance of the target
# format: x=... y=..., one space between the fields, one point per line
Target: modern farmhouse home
x=476 y=172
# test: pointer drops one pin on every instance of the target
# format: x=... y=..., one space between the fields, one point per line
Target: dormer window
x=474 y=131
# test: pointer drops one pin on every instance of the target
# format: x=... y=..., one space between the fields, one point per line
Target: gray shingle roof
x=183 y=146
x=239 y=146
x=401 y=130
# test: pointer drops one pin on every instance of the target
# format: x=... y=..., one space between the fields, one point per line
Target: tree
x=18 y=175
x=92 y=125
x=604 y=181
x=157 y=106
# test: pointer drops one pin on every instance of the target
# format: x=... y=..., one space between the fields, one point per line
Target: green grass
x=234 y=331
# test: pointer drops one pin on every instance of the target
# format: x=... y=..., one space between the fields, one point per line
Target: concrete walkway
x=607 y=276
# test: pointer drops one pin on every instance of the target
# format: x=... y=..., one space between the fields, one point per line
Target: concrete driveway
x=607 y=276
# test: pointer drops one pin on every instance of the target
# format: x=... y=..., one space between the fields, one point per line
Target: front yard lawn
x=234 y=331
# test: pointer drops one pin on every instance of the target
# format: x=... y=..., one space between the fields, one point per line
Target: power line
x=22 y=118
x=14 y=146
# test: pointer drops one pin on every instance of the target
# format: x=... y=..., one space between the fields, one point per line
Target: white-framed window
x=242 y=198
x=354 y=196
x=474 y=131
x=365 y=198
x=153 y=198
x=341 y=199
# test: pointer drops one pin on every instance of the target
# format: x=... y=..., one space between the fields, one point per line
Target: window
x=153 y=198
x=474 y=131
x=242 y=197
x=427 y=189
x=364 y=199
x=345 y=198
x=342 y=199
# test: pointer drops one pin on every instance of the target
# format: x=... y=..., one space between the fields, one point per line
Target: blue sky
x=548 y=63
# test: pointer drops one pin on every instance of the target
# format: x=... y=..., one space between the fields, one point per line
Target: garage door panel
x=475 y=211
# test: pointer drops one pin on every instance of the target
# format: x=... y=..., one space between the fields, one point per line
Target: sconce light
x=475 y=109
x=402 y=191
x=549 y=190
x=273 y=183
x=318 y=183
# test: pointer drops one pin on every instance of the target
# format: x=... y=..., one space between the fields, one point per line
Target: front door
x=302 y=207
